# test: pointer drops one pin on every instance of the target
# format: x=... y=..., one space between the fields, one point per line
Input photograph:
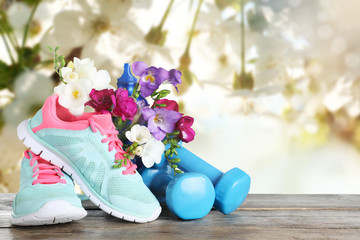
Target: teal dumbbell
x=187 y=195
x=231 y=188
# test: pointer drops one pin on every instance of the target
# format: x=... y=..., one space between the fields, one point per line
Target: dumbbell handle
x=192 y=163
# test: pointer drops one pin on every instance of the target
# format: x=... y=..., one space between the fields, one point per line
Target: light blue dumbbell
x=187 y=195
x=231 y=188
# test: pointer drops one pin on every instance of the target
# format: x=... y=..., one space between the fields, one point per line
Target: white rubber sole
x=38 y=148
x=54 y=212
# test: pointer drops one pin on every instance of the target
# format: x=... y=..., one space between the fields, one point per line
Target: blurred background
x=274 y=86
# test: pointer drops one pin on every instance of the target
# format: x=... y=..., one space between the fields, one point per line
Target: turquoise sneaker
x=46 y=195
x=86 y=148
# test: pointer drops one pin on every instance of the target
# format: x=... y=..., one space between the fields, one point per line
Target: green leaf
x=163 y=93
x=175 y=160
x=178 y=171
x=8 y=74
x=154 y=94
x=174 y=166
x=167 y=153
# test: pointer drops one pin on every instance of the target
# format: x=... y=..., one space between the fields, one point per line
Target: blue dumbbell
x=231 y=188
x=187 y=195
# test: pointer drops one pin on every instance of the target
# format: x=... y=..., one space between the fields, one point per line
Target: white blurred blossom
x=345 y=94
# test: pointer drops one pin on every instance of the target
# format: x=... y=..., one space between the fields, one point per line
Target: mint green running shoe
x=86 y=148
x=46 y=194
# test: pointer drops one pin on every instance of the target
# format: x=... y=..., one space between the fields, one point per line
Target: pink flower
x=124 y=106
x=101 y=100
x=186 y=134
x=170 y=104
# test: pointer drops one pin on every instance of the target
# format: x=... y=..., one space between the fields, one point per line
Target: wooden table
x=262 y=216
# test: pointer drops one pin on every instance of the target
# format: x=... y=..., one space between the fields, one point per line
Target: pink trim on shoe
x=56 y=116
x=104 y=124
x=44 y=171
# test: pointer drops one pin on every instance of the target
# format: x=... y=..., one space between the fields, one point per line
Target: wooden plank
x=338 y=201
x=260 y=217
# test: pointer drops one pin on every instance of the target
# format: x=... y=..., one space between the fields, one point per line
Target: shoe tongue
x=104 y=120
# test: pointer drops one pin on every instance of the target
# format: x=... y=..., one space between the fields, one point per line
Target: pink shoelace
x=114 y=143
x=46 y=172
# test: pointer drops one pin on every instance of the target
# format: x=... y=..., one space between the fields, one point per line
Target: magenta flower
x=160 y=121
x=100 y=100
x=150 y=77
x=170 y=104
x=124 y=106
x=187 y=134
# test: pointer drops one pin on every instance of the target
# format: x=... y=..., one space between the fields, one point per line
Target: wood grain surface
x=262 y=216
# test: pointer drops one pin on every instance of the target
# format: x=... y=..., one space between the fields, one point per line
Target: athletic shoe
x=86 y=148
x=46 y=194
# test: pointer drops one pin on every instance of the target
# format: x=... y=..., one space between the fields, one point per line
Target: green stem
x=8 y=49
x=10 y=36
x=242 y=39
x=193 y=28
x=26 y=32
x=165 y=14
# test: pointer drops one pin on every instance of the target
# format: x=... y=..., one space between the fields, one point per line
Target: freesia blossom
x=101 y=80
x=84 y=67
x=160 y=121
x=124 y=106
x=74 y=95
x=150 y=77
x=138 y=117
x=68 y=75
x=174 y=78
x=152 y=152
x=170 y=104
x=186 y=133
x=101 y=100
x=139 y=134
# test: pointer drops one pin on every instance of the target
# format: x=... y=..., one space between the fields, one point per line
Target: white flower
x=68 y=75
x=152 y=152
x=101 y=80
x=138 y=150
x=84 y=68
x=74 y=95
x=18 y=14
x=345 y=94
x=139 y=134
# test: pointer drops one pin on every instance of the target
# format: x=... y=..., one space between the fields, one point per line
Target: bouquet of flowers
x=149 y=125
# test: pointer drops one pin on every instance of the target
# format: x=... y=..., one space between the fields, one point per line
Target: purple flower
x=100 y=100
x=174 y=78
x=150 y=77
x=160 y=121
x=124 y=106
